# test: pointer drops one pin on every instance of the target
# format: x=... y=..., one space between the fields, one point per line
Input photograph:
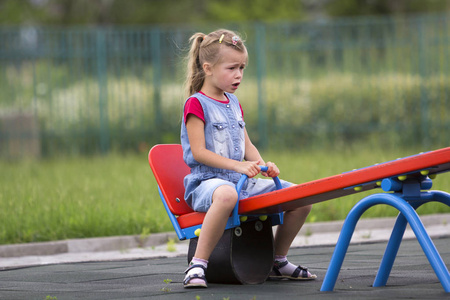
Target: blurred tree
x=384 y=7
x=19 y=12
x=255 y=10
x=135 y=12
x=158 y=11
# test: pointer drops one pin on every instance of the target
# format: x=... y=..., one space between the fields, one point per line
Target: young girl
x=218 y=150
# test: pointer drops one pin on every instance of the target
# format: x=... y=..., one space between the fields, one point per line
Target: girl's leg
x=293 y=222
x=223 y=201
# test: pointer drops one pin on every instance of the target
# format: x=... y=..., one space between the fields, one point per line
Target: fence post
x=102 y=90
x=155 y=46
x=424 y=101
x=260 y=46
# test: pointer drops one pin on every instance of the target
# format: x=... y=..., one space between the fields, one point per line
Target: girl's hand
x=249 y=168
x=272 y=170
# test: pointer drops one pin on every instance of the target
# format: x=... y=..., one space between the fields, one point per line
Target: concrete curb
x=311 y=234
x=115 y=243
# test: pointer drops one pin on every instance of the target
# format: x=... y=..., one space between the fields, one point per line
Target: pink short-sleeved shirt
x=194 y=107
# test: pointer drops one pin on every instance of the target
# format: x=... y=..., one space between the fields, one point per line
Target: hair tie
x=235 y=39
x=221 y=38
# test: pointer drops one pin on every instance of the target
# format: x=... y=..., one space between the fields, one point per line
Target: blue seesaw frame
x=407 y=196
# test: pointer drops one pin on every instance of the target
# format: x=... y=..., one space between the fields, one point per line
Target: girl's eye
x=239 y=67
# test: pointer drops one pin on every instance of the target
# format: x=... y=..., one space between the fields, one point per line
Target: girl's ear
x=207 y=68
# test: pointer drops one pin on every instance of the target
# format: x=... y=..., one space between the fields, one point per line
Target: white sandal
x=195 y=272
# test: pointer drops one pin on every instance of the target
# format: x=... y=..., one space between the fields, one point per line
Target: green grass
x=117 y=195
x=78 y=198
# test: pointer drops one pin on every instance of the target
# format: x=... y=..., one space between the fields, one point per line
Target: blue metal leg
x=342 y=244
x=440 y=196
x=397 y=235
x=407 y=212
x=430 y=250
x=391 y=252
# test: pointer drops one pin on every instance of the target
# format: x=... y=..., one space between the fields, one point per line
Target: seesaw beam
x=344 y=184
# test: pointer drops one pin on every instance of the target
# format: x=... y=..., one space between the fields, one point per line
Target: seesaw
x=245 y=252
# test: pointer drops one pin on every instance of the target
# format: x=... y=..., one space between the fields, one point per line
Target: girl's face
x=226 y=75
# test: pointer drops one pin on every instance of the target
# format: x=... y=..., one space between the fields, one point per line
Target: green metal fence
x=327 y=83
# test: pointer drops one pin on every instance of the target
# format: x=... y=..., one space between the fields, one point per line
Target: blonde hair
x=205 y=48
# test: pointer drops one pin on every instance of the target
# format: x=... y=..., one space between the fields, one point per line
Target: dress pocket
x=220 y=132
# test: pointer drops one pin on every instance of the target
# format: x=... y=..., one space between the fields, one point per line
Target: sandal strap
x=195 y=266
x=299 y=269
x=189 y=277
x=278 y=265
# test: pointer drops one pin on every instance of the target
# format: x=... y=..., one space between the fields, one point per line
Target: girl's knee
x=225 y=196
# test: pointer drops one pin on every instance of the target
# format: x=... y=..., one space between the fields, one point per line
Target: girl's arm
x=196 y=135
x=252 y=154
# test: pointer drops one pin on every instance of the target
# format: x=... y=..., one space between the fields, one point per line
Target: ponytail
x=195 y=74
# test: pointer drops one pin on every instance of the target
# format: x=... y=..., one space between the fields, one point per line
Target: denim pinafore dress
x=224 y=135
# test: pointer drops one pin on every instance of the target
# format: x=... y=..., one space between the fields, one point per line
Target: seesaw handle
x=245 y=177
x=239 y=188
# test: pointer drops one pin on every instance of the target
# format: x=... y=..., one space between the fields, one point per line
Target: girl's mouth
x=235 y=85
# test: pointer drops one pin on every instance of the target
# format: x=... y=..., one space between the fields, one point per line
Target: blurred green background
x=88 y=77
x=89 y=86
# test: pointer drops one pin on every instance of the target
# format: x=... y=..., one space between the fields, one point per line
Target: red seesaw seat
x=169 y=169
